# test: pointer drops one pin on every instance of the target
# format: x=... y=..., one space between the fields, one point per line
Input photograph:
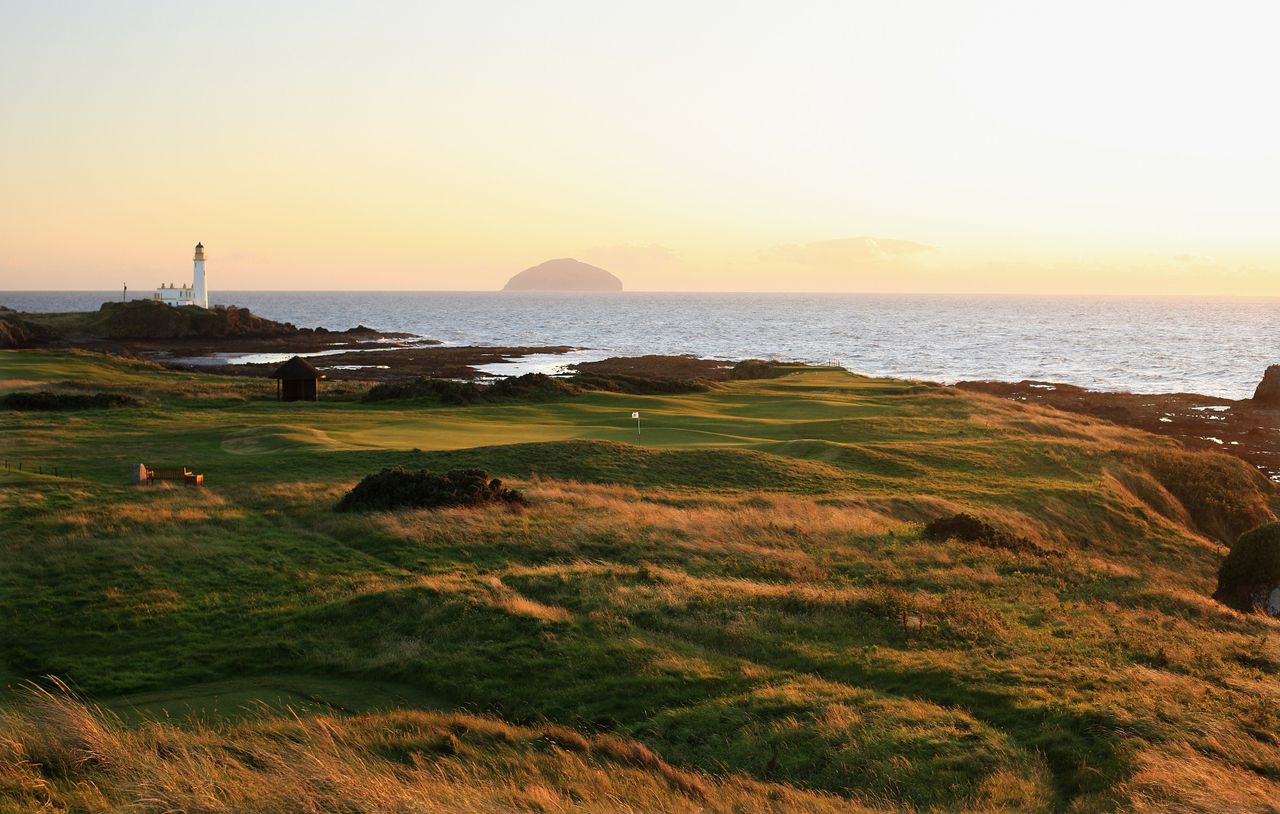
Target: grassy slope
x=725 y=593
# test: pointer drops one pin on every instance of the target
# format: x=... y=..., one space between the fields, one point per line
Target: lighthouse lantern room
x=195 y=294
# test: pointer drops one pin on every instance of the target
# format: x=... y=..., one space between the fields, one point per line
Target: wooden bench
x=176 y=474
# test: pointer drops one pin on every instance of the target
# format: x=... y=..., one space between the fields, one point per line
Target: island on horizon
x=564 y=274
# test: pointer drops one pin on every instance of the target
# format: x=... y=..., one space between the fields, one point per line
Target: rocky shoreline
x=213 y=340
x=1246 y=428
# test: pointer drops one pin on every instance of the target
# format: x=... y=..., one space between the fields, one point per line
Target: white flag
x=635 y=415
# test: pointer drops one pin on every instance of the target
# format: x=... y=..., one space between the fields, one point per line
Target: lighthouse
x=200 y=293
x=195 y=294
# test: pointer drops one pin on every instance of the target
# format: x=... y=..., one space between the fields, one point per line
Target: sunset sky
x=1078 y=147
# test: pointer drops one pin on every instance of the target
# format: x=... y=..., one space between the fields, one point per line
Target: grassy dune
x=737 y=614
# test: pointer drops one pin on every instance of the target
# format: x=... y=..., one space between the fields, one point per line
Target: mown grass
x=745 y=596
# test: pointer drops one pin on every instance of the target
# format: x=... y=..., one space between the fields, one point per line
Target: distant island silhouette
x=563 y=274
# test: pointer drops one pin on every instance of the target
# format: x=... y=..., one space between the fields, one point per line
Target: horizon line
x=1116 y=295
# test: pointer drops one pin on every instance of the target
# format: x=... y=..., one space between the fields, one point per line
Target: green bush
x=754 y=369
x=638 y=385
x=46 y=400
x=1252 y=566
x=445 y=391
x=399 y=488
x=529 y=387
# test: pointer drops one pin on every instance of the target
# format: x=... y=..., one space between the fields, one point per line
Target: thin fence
x=37 y=468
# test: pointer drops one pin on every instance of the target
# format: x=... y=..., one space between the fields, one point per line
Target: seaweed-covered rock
x=400 y=488
x=969 y=529
x=1249 y=577
x=49 y=401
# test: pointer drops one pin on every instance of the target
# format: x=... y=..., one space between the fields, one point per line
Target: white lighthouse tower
x=200 y=293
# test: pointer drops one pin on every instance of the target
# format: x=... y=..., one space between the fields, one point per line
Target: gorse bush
x=529 y=387
x=1252 y=567
x=638 y=385
x=399 y=488
x=46 y=400
x=969 y=529
x=754 y=369
x=445 y=391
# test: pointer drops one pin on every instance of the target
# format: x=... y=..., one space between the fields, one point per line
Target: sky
x=909 y=146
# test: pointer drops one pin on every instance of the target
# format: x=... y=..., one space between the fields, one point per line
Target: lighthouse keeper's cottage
x=195 y=294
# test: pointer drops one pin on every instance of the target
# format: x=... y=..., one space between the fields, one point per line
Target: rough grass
x=747 y=600
x=59 y=753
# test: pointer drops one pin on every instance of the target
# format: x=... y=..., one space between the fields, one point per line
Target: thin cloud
x=633 y=258
x=850 y=251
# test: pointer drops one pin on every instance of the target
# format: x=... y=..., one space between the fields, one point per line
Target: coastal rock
x=146 y=319
x=564 y=274
x=1268 y=392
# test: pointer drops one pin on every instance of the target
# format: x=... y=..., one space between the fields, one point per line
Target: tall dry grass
x=58 y=753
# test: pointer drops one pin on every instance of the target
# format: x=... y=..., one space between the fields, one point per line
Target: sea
x=1214 y=346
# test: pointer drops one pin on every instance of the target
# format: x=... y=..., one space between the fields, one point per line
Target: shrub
x=529 y=387
x=46 y=400
x=1252 y=567
x=638 y=385
x=753 y=369
x=445 y=391
x=399 y=488
x=969 y=529
x=901 y=608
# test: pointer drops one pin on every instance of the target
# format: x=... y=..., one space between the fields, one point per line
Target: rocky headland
x=215 y=340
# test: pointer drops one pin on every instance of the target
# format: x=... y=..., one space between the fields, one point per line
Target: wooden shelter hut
x=297 y=380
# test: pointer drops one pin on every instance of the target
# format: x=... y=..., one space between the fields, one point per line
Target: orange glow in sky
x=1089 y=147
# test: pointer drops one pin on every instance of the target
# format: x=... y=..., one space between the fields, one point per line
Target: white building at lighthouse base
x=195 y=294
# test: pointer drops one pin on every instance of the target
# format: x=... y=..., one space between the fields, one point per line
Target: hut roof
x=297 y=368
